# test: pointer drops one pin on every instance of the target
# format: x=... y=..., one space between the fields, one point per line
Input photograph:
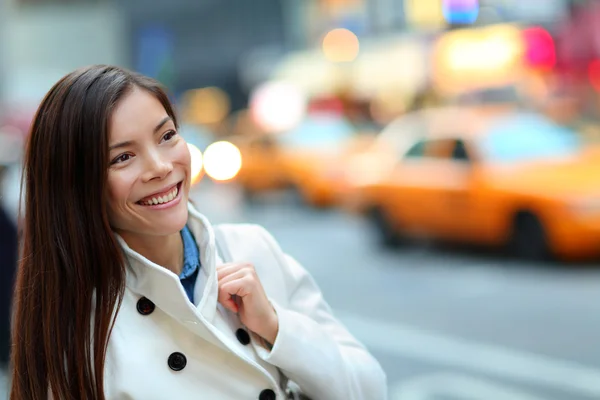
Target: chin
x=172 y=222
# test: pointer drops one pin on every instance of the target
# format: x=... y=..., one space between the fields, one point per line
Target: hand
x=250 y=301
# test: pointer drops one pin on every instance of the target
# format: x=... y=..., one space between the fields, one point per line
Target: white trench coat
x=164 y=347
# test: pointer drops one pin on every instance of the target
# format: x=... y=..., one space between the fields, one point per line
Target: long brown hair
x=71 y=275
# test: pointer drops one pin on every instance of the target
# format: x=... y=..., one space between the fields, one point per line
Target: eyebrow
x=129 y=142
x=162 y=122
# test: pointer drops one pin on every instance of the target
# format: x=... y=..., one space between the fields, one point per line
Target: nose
x=157 y=167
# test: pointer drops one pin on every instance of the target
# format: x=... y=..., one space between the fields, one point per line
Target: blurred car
x=312 y=154
x=515 y=179
x=305 y=158
x=262 y=169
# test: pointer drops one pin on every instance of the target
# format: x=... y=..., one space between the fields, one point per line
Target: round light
x=278 y=106
x=540 y=50
x=460 y=11
x=340 y=45
x=208 y=105
x=196 y=156
x=222 y=161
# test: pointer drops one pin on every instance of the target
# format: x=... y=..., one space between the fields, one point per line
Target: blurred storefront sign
x=398 y=64
x=387 y=63
x=470 y=59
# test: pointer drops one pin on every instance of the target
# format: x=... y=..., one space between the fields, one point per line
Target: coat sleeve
x=313 y=348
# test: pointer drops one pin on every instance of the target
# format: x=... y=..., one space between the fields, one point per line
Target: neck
x=166 y=251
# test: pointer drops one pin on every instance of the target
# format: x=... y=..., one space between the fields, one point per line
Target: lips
x=161 y=197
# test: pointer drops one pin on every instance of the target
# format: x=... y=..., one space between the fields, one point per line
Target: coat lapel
x=164 y=289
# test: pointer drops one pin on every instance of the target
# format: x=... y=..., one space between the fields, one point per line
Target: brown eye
x=169 y=135
x=122 y=158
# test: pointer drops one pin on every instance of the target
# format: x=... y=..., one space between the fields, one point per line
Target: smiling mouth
x=162 y=199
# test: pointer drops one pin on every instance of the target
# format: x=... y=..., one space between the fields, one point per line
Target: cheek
x=118 y=189
x=183 y=155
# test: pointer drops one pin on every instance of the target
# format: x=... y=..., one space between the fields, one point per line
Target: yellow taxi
x=490 y=178
x=262 y=169
x=306 y=158
x=311 y=156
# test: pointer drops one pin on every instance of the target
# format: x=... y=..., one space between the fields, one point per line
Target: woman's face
x=149 y=168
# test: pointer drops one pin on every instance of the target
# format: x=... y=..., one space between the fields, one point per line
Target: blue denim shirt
x=191 y=263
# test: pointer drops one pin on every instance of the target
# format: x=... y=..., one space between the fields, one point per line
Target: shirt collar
x=191 y=254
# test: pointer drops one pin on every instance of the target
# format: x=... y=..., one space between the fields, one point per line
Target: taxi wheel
x=388 y=236
x=529 y=240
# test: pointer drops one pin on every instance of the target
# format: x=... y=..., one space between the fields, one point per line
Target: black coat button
x=177 y=361
x=145 y=306
x=267 y=394
x=242 y=336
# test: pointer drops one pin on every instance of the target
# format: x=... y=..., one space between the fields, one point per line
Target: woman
x=121 y=293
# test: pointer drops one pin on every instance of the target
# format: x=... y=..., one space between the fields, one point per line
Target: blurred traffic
x=396 y=123
x=501 y=116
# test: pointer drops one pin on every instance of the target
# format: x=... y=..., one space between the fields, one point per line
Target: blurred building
x=42 y=40
x=198 y=43
x=185 y=43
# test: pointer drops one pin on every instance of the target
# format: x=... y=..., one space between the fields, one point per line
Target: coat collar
x=163 y=287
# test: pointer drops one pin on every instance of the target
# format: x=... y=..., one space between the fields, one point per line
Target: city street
x=445 y=323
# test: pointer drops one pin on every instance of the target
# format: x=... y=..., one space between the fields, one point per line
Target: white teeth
x=164 y=199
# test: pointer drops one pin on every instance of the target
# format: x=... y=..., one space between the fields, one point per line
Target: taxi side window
x=459 y=151
x=416 y=151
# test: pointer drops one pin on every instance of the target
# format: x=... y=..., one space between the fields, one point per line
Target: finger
x=239 y=274
x=227 y=301
x=238 y=287
x=227 y=269
x=224 y=269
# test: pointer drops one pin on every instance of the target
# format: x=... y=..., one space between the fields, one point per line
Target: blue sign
x=154 y=55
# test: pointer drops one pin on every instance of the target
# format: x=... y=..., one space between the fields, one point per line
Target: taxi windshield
x=319 y=132
x=528 y=137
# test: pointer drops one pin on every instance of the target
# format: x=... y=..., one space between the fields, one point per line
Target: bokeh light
x=540 y=52
x=460 y=11
x=208 y=105
x=340 y=45
x=197 y=163
x=222 y=161
x=278 y=106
